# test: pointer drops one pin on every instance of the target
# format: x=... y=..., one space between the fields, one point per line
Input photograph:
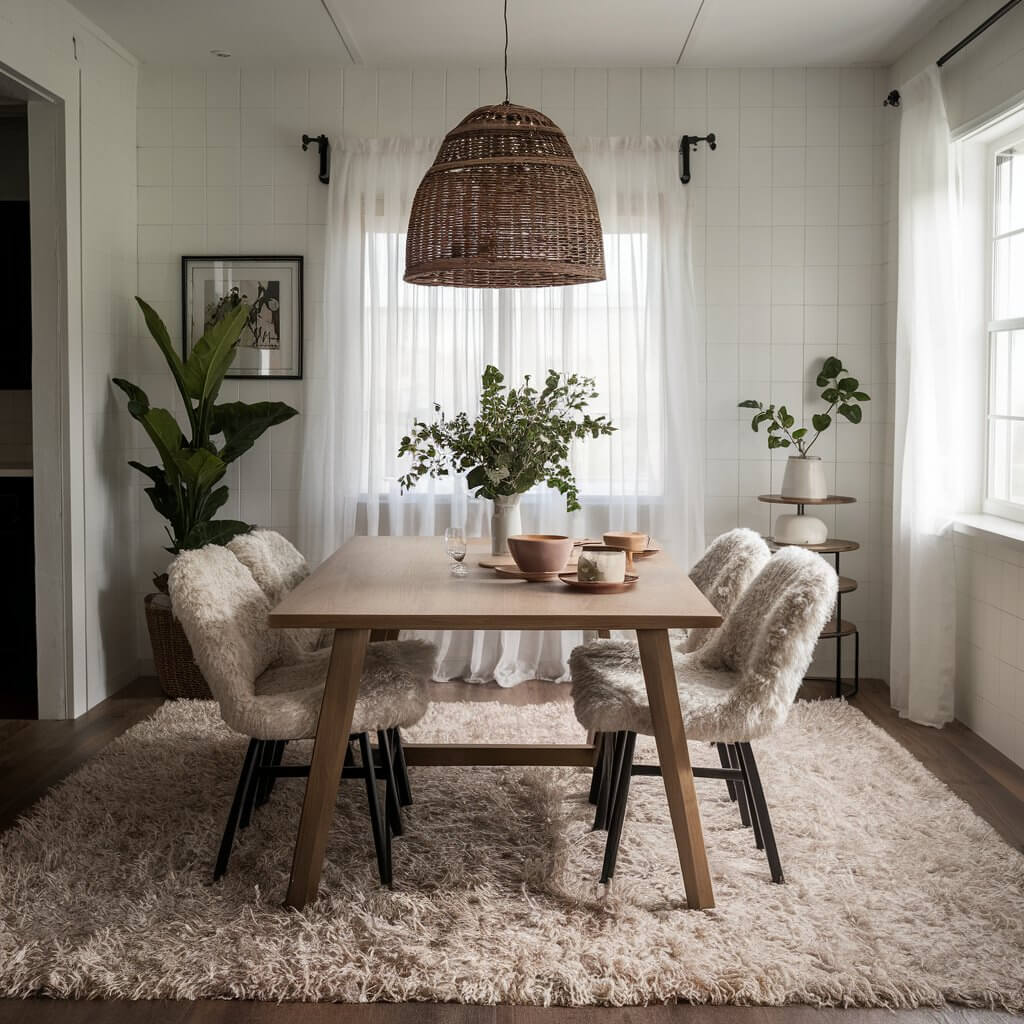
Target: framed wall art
x=270 y=345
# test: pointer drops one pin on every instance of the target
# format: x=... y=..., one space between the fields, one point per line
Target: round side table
x=838 y=628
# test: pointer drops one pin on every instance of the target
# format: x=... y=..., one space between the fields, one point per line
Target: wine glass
x=455 y=545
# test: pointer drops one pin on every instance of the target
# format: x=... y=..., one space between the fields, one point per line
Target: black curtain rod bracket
x=323 y=146
x=892 y=100
x=686 y=143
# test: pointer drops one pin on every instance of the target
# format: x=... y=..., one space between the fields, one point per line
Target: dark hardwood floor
x=36 y=755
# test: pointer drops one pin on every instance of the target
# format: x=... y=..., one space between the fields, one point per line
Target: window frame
x=993 y=505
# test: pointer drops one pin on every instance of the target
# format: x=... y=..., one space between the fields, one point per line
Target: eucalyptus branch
x=520 y=438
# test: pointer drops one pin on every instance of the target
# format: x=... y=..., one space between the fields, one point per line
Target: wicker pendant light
x=504 y=205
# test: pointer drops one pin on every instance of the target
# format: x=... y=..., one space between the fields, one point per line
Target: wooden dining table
x=372 y=587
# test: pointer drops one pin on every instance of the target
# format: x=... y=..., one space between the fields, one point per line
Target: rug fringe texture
x=897 y=894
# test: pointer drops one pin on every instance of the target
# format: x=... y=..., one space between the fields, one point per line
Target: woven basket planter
x=175 y=666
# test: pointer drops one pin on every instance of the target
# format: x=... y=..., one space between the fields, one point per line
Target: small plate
x=647 y=553
x=514 y=572
x=571 y=579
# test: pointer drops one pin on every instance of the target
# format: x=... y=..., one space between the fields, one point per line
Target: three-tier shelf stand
x=838 y=628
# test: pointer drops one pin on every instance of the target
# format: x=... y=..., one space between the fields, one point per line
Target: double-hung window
x=1005 y=476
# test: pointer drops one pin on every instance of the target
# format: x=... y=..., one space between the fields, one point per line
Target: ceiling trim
x=343 y=33
x=693 y=25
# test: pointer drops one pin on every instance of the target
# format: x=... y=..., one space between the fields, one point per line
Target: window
x=595 y=330
x=1005 y=478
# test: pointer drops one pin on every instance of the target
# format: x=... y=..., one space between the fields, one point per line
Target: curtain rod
x=971 y=36
x=893 y=99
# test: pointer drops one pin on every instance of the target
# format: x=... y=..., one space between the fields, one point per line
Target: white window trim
x=996 y=506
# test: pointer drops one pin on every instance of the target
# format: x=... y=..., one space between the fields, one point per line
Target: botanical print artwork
x=263 y=326
x=270 y=288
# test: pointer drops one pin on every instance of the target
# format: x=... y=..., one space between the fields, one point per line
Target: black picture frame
x=292 y=367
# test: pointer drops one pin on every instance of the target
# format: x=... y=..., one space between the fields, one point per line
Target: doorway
x=44 y=641
x=19 y=695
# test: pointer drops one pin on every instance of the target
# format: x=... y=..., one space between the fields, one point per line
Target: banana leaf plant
x=186 y=487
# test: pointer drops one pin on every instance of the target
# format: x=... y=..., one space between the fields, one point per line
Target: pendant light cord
x=506 y=51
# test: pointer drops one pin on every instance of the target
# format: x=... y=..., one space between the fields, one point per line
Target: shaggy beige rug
x=896 y=895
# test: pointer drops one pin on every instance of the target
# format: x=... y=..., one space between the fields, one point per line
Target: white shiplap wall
x=788 y=246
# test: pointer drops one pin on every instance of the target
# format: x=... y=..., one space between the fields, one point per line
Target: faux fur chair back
x=224 y=615
x=769 y=637
x=278 y=567
x=275 y=563
x=726 y=569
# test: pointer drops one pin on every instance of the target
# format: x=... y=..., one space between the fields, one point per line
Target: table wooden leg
x=332 y=732
x=656 y=659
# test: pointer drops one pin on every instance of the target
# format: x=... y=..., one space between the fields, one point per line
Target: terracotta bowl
x=540 y=552
x=627 y=541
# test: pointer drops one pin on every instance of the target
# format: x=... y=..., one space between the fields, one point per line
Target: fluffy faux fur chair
x=723 y=573
x=735 y=688
x=278 y=567
x=274 y=699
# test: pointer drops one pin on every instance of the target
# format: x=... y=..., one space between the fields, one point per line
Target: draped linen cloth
x=926 y=459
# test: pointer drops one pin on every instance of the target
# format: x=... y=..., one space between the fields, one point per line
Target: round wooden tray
x=513 y=572
x=832 y=499
x=830 y=632
x=847 y=585
x=830 y=547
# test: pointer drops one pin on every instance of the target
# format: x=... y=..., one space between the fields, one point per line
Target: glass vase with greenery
x=185 y=488
x=521 y=437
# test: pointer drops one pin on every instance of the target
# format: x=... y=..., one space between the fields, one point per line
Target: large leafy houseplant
x=185 y=488
x=521 y=437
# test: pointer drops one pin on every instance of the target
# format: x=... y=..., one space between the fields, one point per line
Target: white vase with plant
x=805 y=475
x=521 y=437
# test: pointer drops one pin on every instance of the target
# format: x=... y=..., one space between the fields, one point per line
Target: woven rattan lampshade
x=504 y=205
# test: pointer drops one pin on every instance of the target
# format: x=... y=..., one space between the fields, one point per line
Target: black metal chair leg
x=276 y=762
x=626 y=743
x=742 y=797
x=723 y=757
x=253 y=789
x=273 y=751
x=387 y=761
x=381 y=831
x=760 y=807
x=595 y=775
x=604 y=789
x=236 y=809
x=401 y=770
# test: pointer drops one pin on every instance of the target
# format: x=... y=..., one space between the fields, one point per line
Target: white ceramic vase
x=804 y=478
x=506 y=521
x=794 y=529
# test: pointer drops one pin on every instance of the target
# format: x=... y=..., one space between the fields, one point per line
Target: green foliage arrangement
x=520 y=438
x=184 y=488
x=841 y=391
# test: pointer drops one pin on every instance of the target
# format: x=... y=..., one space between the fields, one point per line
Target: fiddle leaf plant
x=841 y=392
x=520 y=438
x=185 y=488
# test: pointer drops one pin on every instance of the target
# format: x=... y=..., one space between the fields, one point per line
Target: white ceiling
x=793 y=33
x=543 y=33
x=183 y=32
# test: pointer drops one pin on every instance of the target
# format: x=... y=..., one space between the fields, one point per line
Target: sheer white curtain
x=389 y=350
x=927 y=457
